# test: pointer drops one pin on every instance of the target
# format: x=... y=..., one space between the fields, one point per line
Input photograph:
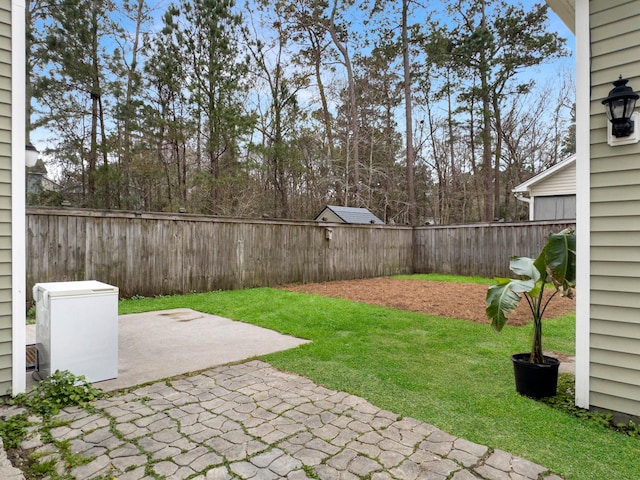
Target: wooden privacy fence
x=153 y=254
x=479 y=249
x=159 y=254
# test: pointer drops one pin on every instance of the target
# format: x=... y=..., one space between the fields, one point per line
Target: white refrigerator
x=77 y=329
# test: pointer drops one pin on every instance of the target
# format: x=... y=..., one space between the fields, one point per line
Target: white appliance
x=77 y=329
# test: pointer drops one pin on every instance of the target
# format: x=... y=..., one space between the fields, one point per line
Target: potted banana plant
x=536 y=374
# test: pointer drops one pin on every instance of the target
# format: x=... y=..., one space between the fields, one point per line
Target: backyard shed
x=551 y=194
x=352 y=215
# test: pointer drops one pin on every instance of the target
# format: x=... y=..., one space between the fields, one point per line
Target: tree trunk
x=410 y=155
x=453 y=176
x=105 y=157
x=487 y=164
x=93 y=153
x=353 y=109
x=499 y=137
x=126 y=158
x=326 y=115
x=277 y=153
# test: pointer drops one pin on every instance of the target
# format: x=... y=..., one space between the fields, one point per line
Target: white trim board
x=583 y=203
x=18 y=211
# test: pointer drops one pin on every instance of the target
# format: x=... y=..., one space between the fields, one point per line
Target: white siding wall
x=615 y=216
x=561 y=183
x=330 y=216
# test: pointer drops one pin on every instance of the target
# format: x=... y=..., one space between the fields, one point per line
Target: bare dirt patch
x=453 y=300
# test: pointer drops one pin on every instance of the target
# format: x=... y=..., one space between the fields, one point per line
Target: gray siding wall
x=558 y=207
x=615 y=216
x=5 y=196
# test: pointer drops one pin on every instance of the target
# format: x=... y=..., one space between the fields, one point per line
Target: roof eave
x=566 y=10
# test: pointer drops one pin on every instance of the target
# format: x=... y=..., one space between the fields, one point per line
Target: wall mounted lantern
x=31 y=155
x=620 y=105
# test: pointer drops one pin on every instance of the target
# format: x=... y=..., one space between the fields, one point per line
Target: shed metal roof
x=353 y=215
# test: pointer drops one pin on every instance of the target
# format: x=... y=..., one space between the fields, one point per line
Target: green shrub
x=13 y=430
x=60 y=390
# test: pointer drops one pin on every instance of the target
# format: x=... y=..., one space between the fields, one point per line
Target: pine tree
x=73 y=92
x=216 y=84
x=490 y=44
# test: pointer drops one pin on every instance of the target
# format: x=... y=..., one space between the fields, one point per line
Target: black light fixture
x=619 y=106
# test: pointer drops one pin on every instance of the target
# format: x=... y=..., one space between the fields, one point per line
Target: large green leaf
x=558 y=259
x=503 y=299
x=524 y=266
x=561 y=257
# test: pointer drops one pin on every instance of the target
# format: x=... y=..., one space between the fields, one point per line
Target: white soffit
x=566 y=10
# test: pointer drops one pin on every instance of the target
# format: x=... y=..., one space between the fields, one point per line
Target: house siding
x=614 y=382
x=561 y=183
x=5 y=198
x=329 y=216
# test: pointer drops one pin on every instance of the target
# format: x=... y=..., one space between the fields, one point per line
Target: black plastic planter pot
x=534 y=379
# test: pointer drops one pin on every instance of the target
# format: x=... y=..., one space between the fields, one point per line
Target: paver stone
x=363 y=466
x=284 y=465
x=99 y=465
x=218 y=473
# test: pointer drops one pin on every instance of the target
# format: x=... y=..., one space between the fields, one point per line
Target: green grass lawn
x=451 y=373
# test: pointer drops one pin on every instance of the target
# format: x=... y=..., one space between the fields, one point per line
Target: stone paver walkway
x=252 y=421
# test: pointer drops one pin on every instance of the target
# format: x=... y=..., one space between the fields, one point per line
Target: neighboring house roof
x=536 y=180
x=349 y=215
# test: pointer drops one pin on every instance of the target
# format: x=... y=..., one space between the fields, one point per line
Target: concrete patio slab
x=161 y=344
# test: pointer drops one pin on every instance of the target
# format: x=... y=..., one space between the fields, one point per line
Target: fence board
x=154 y=254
